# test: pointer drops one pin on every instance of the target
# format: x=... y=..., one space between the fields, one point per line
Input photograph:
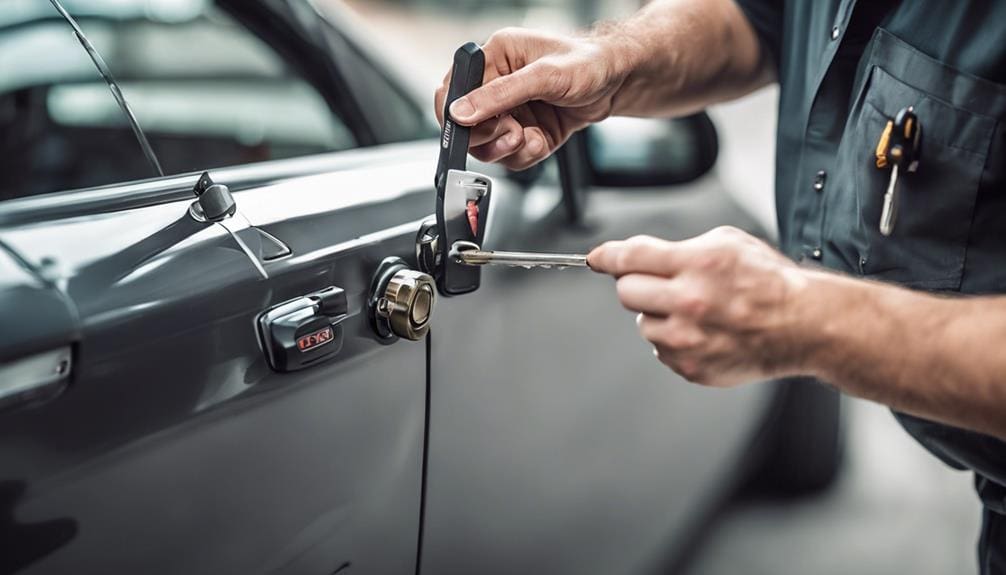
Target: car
x=199 y=371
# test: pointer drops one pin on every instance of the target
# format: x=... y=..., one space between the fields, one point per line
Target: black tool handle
x=906 y=140
x=469 y=66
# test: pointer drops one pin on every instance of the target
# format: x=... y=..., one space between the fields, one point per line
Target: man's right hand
x=671 y=58
x=537 y=90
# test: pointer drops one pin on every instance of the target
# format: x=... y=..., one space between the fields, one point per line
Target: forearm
x=679 y=56
x=934 y=357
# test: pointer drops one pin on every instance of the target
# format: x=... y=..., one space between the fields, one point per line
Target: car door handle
x=35 y=378
x=304 y=331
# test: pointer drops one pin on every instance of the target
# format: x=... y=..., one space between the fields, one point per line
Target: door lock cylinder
x=401 y=301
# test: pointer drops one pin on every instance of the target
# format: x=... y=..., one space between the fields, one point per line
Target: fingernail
x=512 y=140
x=462 y=108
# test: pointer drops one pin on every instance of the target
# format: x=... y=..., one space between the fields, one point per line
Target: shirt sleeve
x=766 y=18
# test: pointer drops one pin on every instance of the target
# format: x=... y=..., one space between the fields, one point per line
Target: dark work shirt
x=845 y=69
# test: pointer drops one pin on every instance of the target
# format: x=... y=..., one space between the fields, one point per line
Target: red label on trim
x=315 y=340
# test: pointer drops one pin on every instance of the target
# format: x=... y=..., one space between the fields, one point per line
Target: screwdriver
x=899 y=148
x=469 y=253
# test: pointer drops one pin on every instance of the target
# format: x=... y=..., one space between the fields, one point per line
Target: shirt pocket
x=935 y=204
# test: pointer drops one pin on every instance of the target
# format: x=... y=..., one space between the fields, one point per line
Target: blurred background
x=895 y=509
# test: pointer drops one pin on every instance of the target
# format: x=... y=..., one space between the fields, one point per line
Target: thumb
x=501 y=95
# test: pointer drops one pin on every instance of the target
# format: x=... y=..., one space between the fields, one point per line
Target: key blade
x=468 y=253
x=523 y=259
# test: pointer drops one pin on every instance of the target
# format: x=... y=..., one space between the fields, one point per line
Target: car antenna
x=106 y=74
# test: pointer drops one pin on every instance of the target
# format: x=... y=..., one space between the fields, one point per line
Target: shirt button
x=819 y=180
x=817 y=254
x=835 y=32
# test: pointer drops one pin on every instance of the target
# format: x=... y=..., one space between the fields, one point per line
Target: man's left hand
x=720 y=309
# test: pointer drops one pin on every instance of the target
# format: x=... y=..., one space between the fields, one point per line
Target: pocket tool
x=462 y=196
x=899 y=147
x=450 y=249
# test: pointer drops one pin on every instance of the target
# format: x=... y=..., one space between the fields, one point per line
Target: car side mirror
x=634 y=152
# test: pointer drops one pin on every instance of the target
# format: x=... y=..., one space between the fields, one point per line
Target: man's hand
x=538 y=89
x=724 y=308
x=720 y=309
x=673 y=57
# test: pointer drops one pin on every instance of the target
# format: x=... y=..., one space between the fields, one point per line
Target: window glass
x=394 y=118
x=207 y=92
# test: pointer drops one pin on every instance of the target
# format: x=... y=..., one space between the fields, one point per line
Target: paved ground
x=895 y=509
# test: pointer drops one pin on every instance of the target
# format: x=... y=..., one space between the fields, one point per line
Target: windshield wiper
x=106 y=75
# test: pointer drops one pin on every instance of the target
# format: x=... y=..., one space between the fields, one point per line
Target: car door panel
x=176 y=448
x=550 y=419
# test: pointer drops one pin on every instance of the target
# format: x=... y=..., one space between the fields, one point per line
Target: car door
x=557 y=443
x=144 y=428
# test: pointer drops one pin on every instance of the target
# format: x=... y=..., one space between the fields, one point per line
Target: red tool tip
x=473 y=217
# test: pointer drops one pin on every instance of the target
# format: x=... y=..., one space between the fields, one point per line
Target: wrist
x=814 y=306
x=623 y=55
x=839 y=320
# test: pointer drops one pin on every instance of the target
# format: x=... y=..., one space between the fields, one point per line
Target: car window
x=391 y=111
x=207 y=92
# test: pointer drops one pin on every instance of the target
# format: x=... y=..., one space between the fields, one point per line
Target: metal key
x=471 y=254
x=899 y=148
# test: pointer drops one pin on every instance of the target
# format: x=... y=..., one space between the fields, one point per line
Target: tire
x=802 y=445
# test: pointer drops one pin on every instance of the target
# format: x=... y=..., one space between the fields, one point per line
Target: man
x=724 y=308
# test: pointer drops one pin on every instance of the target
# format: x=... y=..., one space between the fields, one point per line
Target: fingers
x=681 y=346
x=672 y=334
x=639 y=254
x=506 y=139
x=646 y=294
x=503 y=94
x=534 y=150
x=505 y=127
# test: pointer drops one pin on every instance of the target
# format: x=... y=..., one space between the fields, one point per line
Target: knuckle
x=625 y=259
x=726 y=231
x=741 y=312
x=631 y=253
x=556 y=83
x=500 y=90
x=640 y=241
x=708 y=260
x=693 y=305
x=504 y=35
x=729 y=236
